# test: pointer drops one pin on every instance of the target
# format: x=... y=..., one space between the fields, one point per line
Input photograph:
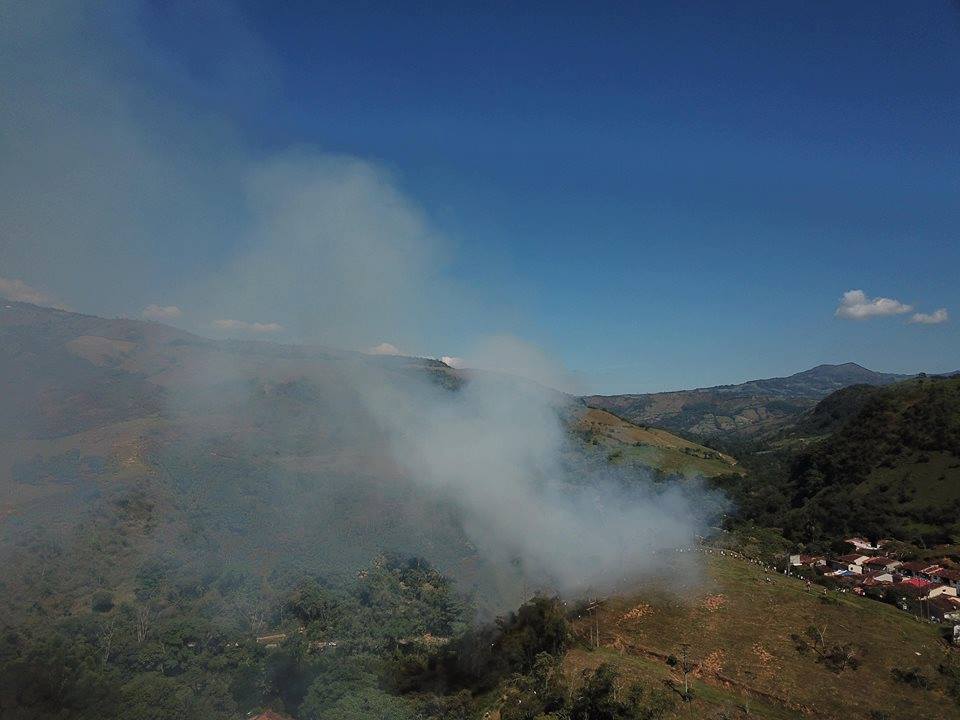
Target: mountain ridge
x=742 y=408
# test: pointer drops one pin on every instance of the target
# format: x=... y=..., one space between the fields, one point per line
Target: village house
x=879 y=578
x=933 y=573
x=851 y=563
x=910 y=569
x=938 y=589
x=944 y=576
x=872 y=580
x=881 y=563
x=861 y=544
x=917 y=582
x=807 y=561
x=271 y=641
x=942 y=609
x=919 y=569
x=949 y=576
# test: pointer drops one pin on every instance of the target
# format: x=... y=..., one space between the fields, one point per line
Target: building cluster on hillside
x=933 y=586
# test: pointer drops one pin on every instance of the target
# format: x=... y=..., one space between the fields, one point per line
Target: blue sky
x=658 y=196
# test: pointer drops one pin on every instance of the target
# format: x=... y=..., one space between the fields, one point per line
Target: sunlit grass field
x=737 y=621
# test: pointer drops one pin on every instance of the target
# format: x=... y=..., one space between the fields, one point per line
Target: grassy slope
x=746 y=644
x=705 y=412
x=652 y=447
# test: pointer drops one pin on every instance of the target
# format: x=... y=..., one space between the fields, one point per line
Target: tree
x=335 y=679
x=311 y=604
x=949 y=671
x=837 y=656
x=366 y=704
x=543 y=691
x=109 y=631
x=683 y=667
x=143 y=617
x=599 y=698
x=101 y=602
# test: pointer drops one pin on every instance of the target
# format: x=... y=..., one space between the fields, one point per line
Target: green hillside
x=884 y=462
x=647 y=447
x=752 y=408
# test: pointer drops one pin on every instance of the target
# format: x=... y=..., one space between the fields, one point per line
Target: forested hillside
x=883 y=462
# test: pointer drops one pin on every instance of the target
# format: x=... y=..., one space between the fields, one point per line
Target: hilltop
x=745 y=409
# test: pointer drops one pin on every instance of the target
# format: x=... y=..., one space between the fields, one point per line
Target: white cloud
x=384 y=348
x=162 y=313
x=452 y=361
x=244 y=326
x=934 y=318
x=856 y=305
x=19 y=291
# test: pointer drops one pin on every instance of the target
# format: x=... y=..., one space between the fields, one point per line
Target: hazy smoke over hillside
x=107 y=190
x=497 y=448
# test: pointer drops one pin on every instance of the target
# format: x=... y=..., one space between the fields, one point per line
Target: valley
x=209 y=488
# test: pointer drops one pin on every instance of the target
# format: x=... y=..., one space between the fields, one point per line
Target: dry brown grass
x=737 y=627
x=638 y=612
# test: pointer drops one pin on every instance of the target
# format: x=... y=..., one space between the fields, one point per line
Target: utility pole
x=596 y=617
x=594 y=623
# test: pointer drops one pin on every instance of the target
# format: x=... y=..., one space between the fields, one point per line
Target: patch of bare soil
x=637 y=613
x=714 y=602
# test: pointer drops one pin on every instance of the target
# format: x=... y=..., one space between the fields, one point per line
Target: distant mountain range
x=747 y=408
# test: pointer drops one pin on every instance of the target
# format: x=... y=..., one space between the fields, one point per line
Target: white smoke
x=113 y=197
x=496 y=448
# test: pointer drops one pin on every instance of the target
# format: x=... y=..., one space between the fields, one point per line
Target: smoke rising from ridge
x=105 y=184
x=498 y=449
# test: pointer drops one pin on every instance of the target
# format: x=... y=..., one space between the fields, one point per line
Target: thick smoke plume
x=117 y=199
x=498 y=449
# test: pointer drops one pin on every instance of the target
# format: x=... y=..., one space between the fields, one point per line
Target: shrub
x=912 y=677
x=102 y=601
